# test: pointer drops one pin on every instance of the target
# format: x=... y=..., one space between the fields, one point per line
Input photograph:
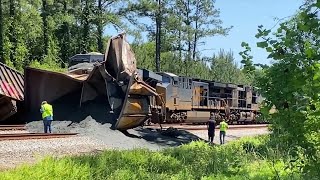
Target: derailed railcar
x=115 y=82
x=193 y=100
x=11 y=91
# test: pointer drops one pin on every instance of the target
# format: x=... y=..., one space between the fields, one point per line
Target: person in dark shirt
x=211 y=126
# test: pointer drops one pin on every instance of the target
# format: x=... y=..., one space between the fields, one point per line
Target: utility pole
x=158 y=36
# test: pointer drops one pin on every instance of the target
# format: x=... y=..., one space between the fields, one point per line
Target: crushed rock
x=134 y=138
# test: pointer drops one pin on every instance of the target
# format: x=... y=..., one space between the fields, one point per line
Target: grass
x=48 y=66
x=247 y=158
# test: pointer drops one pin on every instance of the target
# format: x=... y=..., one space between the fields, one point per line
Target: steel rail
x=12 y=127
x=26 y=136
x=204 y=127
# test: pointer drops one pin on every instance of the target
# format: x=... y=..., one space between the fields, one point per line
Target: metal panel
x=135 y=109
x=7 y=108
x=43 y=85
x=232 y=86
x=223 y=85
x=149 y=74
x=194 y=116
x=11 y=83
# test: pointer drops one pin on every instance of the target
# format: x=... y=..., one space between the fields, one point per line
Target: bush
x=52 y=66
x=248 y=158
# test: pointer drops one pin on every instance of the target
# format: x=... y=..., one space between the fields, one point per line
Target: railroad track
x=26 y=136
x=12 y=127
x=204 y=127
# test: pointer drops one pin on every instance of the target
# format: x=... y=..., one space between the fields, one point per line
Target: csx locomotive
x=193 y=100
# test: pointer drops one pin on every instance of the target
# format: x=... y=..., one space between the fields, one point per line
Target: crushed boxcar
x=115 y=81
x=11 y=91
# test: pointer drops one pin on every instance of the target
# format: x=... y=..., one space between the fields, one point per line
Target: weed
x=247 y=158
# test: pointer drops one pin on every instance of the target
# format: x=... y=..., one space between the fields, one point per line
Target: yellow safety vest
x=46 y=110
x=223 y=126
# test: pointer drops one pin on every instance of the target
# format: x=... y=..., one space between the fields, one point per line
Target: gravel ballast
x=18 y=152
x=136 y=138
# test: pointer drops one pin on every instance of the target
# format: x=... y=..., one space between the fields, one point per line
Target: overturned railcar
x=11 y=92
x=115 y=82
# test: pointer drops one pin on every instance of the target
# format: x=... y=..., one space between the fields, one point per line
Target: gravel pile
x=94 y=120
x=93 y=124
x=135 y=138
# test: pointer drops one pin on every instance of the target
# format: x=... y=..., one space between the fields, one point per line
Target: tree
x=156 y=12
x=291 y=84
x=12 y=29
x=247 y=62
x=1 y=34
x=199 y=20
x=45 y=27
x=206 y=23
x=108 y=12
x=224 y=69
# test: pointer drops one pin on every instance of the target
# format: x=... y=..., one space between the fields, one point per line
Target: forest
x=49 y=32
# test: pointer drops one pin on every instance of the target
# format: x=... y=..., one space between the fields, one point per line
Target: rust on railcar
x=115 y=80
x=120 y=66
x=11 y=83
x=11 y=91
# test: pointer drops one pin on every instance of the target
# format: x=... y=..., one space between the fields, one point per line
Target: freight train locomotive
x=190 y=100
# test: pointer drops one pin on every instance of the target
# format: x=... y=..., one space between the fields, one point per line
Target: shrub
x=248 y=158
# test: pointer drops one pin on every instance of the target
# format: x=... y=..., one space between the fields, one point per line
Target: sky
x=245 y=16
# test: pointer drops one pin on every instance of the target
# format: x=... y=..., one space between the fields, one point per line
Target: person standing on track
x=47 y=115
x=223 y=129
x=211 y=126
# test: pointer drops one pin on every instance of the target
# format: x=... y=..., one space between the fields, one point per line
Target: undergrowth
x=52 y=66
x=248 y=158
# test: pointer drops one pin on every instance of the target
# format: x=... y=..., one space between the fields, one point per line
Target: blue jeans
x=47 y=125
x=222 y=135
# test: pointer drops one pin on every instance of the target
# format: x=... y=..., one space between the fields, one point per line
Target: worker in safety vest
x=223 y=129
x=47 y=116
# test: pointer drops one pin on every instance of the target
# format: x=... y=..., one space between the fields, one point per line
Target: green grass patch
x=52 y=66
x=247 y=158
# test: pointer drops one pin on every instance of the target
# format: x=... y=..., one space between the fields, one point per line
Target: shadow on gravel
x=67 y=109
x=154 y=136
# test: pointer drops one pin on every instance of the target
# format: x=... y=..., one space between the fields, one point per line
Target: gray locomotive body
x=192 y=100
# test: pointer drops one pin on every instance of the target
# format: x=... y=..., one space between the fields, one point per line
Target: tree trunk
x=195 y=41
x=86 y=26
x=45 y=27
x=1 y=34
x=180 y=52
x=65 y=50
x=100 y=27
x=158 y=36
x=12 y=34
x=189 y=35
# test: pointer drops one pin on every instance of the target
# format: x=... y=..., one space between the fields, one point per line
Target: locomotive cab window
x=175 y=81
x=166 y=79
x=254 y=98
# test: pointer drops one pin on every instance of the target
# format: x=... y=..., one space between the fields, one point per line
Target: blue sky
x=245 y=16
